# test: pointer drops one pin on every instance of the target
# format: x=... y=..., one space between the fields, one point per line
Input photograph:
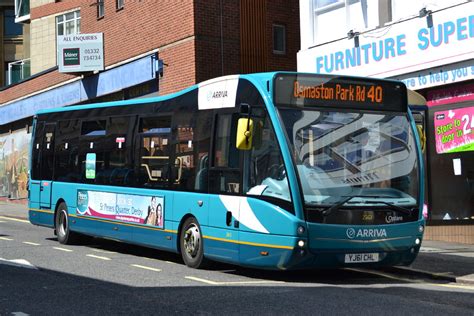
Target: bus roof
x=253 y=77
x=261 y=78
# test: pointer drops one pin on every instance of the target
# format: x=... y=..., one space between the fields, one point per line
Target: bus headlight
x=421 y=228
x=417 y=241
x=301 y=243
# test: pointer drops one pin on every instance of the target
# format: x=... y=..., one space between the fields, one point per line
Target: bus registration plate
x=361 y=257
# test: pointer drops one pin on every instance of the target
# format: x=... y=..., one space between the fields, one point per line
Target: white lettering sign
x=80 y=52
x=407 y=47
x=218 y=93
x=366 y=233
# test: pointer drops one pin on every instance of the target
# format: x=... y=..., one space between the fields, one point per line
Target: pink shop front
x=449 y=119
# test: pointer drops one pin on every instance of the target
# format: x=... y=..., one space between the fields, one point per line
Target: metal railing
x=18 y=70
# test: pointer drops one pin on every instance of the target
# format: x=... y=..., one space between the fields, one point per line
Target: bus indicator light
x=301 y=230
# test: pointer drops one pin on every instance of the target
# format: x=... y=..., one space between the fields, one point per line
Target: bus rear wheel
x=65 y=236
x=191 y=244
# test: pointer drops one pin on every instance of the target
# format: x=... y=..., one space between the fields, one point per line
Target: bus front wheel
x=65 y=236
x=191 y=244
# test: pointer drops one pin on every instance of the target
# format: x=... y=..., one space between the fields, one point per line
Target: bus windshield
x=357 y=158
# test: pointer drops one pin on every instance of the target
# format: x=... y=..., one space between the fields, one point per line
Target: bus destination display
x=332 y=91
x=339 y=92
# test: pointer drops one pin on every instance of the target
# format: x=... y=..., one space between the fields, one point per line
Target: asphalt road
x=38 y=276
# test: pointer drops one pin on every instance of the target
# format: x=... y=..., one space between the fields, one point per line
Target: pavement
x=452 y=262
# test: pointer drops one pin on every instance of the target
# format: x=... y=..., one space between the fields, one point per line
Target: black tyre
x=191 y=244
x=65 y=236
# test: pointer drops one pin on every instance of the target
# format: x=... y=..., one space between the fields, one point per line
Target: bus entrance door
x=224 y=213
x=47 y=164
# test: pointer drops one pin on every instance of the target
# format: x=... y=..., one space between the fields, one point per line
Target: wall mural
x=14 y=163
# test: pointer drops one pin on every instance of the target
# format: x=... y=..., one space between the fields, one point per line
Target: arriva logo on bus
x=366 y=233
x=216 y=95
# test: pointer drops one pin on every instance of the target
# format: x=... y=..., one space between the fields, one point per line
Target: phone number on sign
x=93 y=57
x=91 y=51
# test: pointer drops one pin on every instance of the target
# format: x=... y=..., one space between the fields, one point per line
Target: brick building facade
x=195 y=40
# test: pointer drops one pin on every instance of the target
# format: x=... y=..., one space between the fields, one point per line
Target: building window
x=69 y=23
x=327 y=3
x=17 y=71
x=333 y=19
x=279 y=39
x=120 y=4
x=22 y=10
x=10 y=28
x=100 y=9
x=403 y=10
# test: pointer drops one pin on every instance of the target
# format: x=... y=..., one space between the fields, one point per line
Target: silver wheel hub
x=62 y=223
x=192 y=240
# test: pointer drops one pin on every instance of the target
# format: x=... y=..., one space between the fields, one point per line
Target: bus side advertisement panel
x=138 y=209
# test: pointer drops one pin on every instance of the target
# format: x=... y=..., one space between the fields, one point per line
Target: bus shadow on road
x=316 y=276
x=125 y=248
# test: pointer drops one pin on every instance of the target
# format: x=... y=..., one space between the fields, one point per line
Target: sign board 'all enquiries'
x=81 y=52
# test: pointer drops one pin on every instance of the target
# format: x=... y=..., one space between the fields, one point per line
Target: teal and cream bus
x=271 y=170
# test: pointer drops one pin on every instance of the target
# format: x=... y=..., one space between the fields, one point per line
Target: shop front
x=433 y=55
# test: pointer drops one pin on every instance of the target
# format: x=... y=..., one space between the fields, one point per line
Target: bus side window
x=225 y=174
x=190 y=146
x=47 y=152
x=36 y=151
x=154 y=164
x=118 y=166
x=67 y=145
x=202 y=144
x=267 y=173
x=93 y=142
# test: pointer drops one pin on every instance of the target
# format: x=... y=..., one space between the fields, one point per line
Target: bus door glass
x=225 y=182
x=419 y=116
x=47 y=165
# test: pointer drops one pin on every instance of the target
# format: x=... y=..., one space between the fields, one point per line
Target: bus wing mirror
x=244 y=134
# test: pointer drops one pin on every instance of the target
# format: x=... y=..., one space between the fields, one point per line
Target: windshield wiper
x=336 y=206
x=392 y=206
